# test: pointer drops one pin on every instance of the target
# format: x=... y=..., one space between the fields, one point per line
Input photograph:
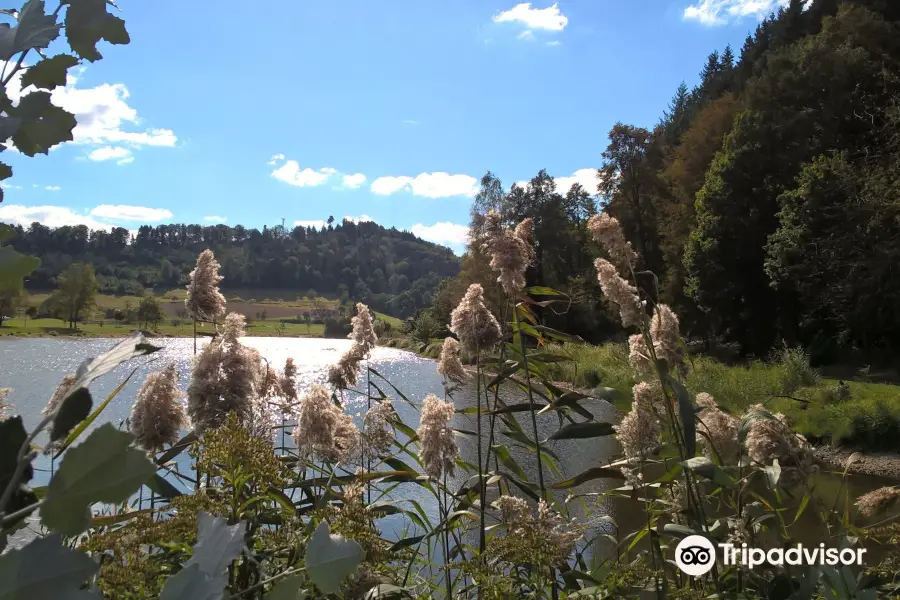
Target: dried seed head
x=345 y=372
x=639 y=355
x=158 y=415
x=608 y=232
x=4 y=407
x=619 y=291
x=438 y=443
x=363 y=330
x=65 y=386
x=721 y=430
x=449 y=365
x=510 y=250
x=666 y=337
x=472 y=322
x=379 y=433
x=204 y=302
x=227 y=378
x=639 y=430
x=770 y=439
x=878 y=501
x=323 y=429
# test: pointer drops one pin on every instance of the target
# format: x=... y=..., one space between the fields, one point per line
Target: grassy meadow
x=860 y=412
x=265 y=311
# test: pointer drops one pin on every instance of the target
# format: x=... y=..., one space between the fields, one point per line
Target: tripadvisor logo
x=696 y=555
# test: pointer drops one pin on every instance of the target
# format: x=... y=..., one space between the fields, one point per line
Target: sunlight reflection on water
x=33 y=368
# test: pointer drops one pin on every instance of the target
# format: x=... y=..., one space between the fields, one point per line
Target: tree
x=149 y=311
x=12 y=296
x=30 y=313
x=33 y=125
x=629 y=183
x=76 y=293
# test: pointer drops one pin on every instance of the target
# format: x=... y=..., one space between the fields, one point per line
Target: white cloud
x=276 y=158
x=121 y=212
x=125 y=161
x=291 y=173
x=52 y=188
x=586 y=177
x=110 y=153
x=102 y=113
x=554 y=43
x=442 y=233
x=215 y=219
x=353 y=181
x=428 y=185
x=51 y=216
x=526 y=35
x=550 y=18
x=718 y=12
x=410 y=122
x=314 y=224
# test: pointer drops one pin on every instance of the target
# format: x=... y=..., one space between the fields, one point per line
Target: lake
x=33 y=368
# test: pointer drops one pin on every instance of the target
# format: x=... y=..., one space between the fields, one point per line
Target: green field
x=264 y=312
x=108 y=328
x=868 y=416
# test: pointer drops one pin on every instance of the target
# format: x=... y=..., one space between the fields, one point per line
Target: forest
x=765 y=203
x=393 y=271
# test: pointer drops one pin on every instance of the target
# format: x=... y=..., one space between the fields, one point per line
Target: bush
x=337 y=327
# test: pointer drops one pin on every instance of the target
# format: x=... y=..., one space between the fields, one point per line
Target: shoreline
x=872 y=463
x=80 y=335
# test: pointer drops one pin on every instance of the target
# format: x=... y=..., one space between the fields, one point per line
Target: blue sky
x=385 y=110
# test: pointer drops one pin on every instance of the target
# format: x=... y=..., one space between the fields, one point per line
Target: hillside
x=765 y=200
x=392 y=271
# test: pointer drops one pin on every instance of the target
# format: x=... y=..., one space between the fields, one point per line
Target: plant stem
x=537 y=440
x=481 y=467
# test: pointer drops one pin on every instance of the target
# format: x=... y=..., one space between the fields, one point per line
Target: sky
x=228 y=112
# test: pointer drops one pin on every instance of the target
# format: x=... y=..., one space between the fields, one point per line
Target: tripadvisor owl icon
x=695 y=555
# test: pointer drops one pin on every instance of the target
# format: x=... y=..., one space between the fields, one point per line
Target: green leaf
x=592 y=473
x=218 y=544
x=12 y=436
x=92 y=368
x=76 y=433
x=289 y=588
x=35 y=125
x=708 y=469
x=72 y=411
x=681 y=531
x=330 y=559
x=160 y=486
x=45 y=569
x=103 y=468
x=687 y=411
x=177 y=448
x=88 y=22
x=35 y=29
x=407 y=542
x=537 y=290
x=560 y=336
x=773 y=473
x=14 y=267
x=507 y=460
x=49 y=73
x=576 y=431
x=386 y=590
x=191 y=583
